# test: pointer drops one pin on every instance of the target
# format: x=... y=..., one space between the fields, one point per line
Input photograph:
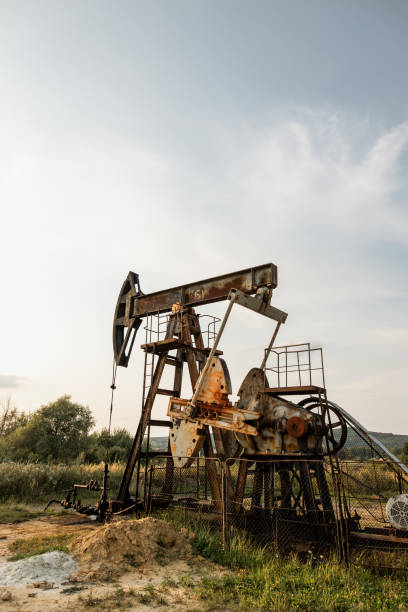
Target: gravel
x=53 y=567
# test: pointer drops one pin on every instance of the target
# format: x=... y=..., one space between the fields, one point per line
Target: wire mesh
x=288 y=505
x=377 y=506
x=193 y=493
x=317 y=508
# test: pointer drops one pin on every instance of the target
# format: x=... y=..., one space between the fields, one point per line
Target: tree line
x=61 y=431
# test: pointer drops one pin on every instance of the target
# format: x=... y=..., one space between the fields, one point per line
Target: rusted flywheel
x=334 y=423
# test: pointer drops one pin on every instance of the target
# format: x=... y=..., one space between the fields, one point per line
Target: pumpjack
x=263 y=423
x=281 y=434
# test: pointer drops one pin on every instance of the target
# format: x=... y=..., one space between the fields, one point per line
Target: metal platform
x=170 y=344
x=298 y=390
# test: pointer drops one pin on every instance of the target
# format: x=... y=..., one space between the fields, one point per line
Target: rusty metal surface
x=259 y=304
x=363 y=535
x=275 y=428
x=133 y=305
x=125 y=328
x=213 y=405
x=205 y=291
x=217 y=385
x=276 y=434
x=296 y=390
x=333 y=424
x=186 y=440
x=224 y=417
x=171 y=344
x=296 y=426
x=263 y=424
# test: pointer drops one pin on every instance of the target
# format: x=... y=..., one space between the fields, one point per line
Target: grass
x=290 y=585
x=118 y=599
x=27 y=482
x=39 y=482
x=37 y=545
x=262 y=581
x=16 y=514
x=258 y=580
x=151 y=597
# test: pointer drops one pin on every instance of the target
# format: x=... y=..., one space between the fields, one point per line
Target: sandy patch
x=161 y=581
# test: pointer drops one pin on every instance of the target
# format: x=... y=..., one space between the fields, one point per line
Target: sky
x=187 y=139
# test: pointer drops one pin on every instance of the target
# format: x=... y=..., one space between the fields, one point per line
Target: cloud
x=307 y=172
x=11 y=382
x=319 y=194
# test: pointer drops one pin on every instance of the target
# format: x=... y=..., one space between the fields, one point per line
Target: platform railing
x=295 y=365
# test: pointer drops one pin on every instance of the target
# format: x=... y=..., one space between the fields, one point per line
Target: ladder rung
x=156 y=454
x=173 y=361
x=167 y=392
x=170 y=344
x=158 y=423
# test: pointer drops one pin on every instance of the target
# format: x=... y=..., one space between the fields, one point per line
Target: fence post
x=342 y=533
x=148 y=497
x=224 y=504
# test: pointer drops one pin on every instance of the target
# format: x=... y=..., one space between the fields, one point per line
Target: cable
x=113 y=387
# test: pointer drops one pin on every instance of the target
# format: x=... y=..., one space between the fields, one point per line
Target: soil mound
x=115 y=548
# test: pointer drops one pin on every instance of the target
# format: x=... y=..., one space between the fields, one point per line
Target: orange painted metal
x=224 y=416
x=296 y=427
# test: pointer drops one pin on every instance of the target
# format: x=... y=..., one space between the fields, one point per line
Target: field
x=241 y=577
x=39 y=482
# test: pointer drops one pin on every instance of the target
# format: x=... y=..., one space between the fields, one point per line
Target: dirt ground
x=152 y=585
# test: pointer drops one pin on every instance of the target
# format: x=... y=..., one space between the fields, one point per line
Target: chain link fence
x=326 y=508
x=191 y=496
x=374 y=497
x=289 y=505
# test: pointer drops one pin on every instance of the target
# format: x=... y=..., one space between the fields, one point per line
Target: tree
x=404 y=453
x=10 y=418
x=115 y=446
x=57 y=431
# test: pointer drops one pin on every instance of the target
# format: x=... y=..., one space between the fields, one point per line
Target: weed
x=131 y=559
x=144 y=598
x=38 y=545
x=72 y=589
x=186 y=581
x=89 y=600
x=16 y=514
x=168 y=582
x=161 y=558
x=149 y=588
x=110 y=601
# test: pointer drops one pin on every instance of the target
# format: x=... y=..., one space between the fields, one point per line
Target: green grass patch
x=293 y=585
x=16 y=514
x=37 y=545
x=260 y=580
